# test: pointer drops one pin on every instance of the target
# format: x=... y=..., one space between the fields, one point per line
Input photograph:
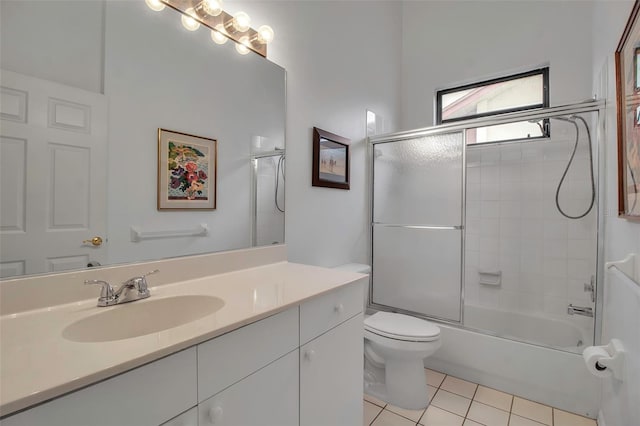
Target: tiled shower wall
x=513 y=225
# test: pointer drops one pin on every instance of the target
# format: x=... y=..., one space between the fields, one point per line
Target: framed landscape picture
x=628 y=98
x=186 y=171
x=330 y=160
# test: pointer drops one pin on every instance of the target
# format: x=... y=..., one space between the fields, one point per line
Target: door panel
x=418 y=270
x=419 y=181
x=53 y=179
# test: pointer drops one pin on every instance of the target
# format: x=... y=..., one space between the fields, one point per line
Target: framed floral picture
x=186 y=171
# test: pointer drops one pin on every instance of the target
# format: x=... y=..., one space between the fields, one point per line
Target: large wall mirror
x=85 y=87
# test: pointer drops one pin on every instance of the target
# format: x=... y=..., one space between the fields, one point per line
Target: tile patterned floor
x=456 y=402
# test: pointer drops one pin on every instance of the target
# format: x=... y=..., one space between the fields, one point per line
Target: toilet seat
x=401 y=327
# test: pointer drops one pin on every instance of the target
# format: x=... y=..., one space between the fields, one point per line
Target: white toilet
x=395 y=347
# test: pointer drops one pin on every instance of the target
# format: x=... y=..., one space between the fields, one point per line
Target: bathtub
x=549 y=376
x=530 y=328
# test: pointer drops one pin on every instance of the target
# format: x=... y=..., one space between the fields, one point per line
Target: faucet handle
x=150 y=273
x=106 y=293
x=141 y=282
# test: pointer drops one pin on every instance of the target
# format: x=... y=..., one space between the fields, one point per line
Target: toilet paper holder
x=615 y=361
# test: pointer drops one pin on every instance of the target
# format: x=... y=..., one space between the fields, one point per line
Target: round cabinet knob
x=339 y=308
x=215 y=414
x=95 y=241
x=310 y=355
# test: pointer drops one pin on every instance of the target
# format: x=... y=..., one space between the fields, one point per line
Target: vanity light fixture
x=241 y=47
x=156 y=5
x=223 y=25
x=265 y=34
x=241 y=22
x=212 y=7
x=188 y=20
x=217 y=35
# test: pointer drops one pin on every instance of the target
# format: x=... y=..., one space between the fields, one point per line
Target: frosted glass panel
x=418 y=270
x=419 y=181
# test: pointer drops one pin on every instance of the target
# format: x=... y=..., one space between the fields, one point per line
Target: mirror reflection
x=85 y=88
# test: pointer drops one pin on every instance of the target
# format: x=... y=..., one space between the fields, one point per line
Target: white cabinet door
x=227 y=359
x=147 y=396
x=268 y=397
x=331 y=377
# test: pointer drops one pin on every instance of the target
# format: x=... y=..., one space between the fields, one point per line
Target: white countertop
x=37 y=363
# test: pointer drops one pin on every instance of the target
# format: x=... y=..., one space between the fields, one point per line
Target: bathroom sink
x=141 y=318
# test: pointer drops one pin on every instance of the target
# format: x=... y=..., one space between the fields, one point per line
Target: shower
x=500 y=238
x=268 y=197
x=572 y=119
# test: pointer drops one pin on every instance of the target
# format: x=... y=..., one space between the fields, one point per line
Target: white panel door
x=53 y=153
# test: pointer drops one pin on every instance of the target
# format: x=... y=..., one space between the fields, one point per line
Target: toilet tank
x=359 y=268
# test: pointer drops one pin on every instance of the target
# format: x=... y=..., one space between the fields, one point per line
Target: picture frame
x=330 y=160
x=187 y=171
x=627 y=59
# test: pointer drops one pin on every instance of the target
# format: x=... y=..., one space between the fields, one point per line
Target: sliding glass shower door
x=417 y=225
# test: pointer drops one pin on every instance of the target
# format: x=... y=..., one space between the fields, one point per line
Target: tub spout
x=580 y=310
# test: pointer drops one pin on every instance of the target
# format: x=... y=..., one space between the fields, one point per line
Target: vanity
x=232 y=338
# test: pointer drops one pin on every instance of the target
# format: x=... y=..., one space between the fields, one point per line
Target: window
x=513 y=93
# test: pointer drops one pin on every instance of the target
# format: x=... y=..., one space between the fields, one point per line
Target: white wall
x=158 y=75
x=47 y=46
x=154 y=74
x=453 y=42
x=621 y=236
x=341 y=59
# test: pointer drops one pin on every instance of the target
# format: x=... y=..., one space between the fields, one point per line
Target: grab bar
x=137 y=234
x=629 y=267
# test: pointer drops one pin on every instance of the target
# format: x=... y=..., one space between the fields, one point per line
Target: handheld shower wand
x=572 y=119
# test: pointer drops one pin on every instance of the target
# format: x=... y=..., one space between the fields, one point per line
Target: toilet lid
x=402 y=327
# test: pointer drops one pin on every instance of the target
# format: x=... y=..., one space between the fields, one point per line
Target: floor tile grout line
x=444 y=409
x=405 y=417
x=377 y=415
x=491 y=406
x=471 y=403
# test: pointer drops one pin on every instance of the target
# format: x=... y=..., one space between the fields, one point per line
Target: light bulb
x=241 y=22
x=156 y=5
x=241 y=47
x=212 y=7
x=265 y=34
x=188 y=22
x=218 y=37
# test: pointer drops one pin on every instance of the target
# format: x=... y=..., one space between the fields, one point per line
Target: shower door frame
x=597 y=106
x=253 y=204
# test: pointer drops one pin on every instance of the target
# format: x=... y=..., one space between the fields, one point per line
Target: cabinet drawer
x=327 y=311
x=148 y=395
x=229 y=358
x=268 y=397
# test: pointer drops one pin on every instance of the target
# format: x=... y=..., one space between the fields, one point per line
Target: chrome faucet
x=133 y=289
x=580 y=310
